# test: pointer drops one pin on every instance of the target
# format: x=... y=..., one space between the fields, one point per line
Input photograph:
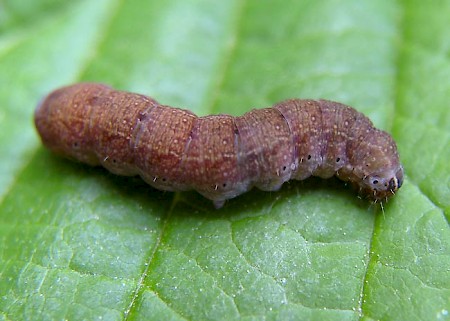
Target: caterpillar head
x=374 y=168
x=379 y=187
x=382 y=174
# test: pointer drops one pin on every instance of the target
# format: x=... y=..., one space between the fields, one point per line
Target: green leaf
x=79 y=243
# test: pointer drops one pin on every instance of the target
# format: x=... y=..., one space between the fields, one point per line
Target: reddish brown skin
x=219 y=156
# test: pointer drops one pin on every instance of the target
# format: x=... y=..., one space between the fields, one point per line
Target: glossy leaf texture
x=79 y=243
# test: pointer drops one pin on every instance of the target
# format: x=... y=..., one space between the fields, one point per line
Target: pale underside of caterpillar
x=220 y=156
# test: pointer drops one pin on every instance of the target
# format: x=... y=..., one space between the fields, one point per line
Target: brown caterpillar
x=220 y=156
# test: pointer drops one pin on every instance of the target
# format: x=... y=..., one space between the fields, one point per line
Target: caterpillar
x=219 y=156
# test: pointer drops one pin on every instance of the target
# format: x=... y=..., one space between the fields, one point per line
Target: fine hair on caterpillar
x=219 y=156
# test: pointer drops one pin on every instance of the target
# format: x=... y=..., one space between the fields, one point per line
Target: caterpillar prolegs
x=220 y=156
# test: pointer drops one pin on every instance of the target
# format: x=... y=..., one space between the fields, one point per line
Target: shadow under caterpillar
x=219 y=156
